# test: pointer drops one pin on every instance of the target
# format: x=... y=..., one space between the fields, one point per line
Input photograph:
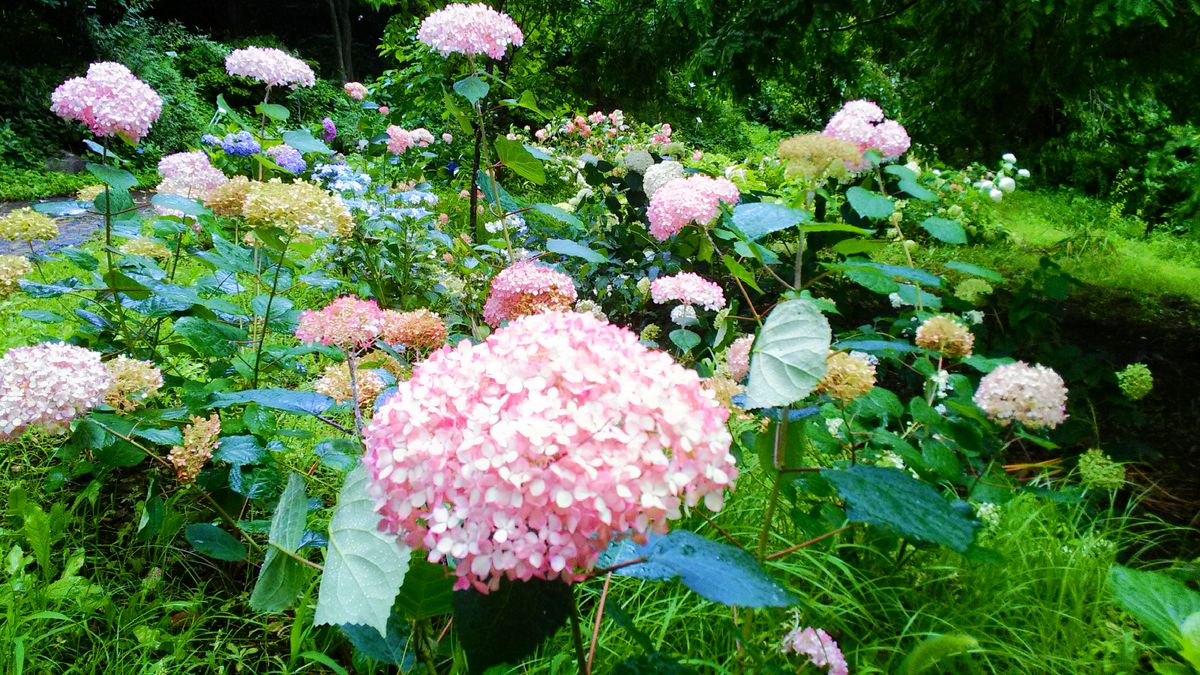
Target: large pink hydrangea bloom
x=187 y=174
x=49 y=385
x=689 y=289
x=399 y=140
x=470 y=29
x=346 y=322
x=526 y=287
x=355 y=90
x=864 y=124
x=525 y=455
x=688 y=200
x=110 y=100
x=271 y=66
x=1018 y=392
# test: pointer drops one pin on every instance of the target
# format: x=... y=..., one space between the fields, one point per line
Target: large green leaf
x=893 y=499
x=298 y=402
x=1161 y=603
x=718 y=572
x=212 y=541
x=575 y=250
x=869 y=204
x=788 y=358
x=282 y=577
x=557 y=213
x=758 y=219
x=179 y=203
x=944 y=229
x=496 y=193
x=514 y=155
x=210 y=338
x=302 y=140
x=118 y=179
x=392 y=647
x=471 y=88
x=273 y=110
x=968 y=268
x=509 y=623
x=428 y=591
x=364 y=568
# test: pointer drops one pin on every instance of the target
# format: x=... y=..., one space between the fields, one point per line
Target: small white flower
x=941 y=383
x=988 y=514
x=1023 y=173
x=974 y=317
x=834 y=425
x=1008 y=157
x=1007 y=184
x=684 y=315
x=896 y=300
x=996 y=195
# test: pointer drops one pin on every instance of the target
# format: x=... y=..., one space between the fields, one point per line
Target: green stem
x=780 y=441
x=354 y=396
x=577 y=636
x=267 y=314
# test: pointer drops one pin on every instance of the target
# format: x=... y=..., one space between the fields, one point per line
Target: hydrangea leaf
x=282 y=577
x=575 y=250
x=179 y=203
x=118 y=179
x=297 y=402
x=391 y=647
x=558 y=213
x=428 y=591
x=758 y=219
x=944 y=229
x=1161 y=603
x=364 y=568
x=275 y=111
x=893 y=499
x=788 y=358
x=471 y=88
x=515 y=156
x=302 y=140
x=869 y=204
x=212 y=541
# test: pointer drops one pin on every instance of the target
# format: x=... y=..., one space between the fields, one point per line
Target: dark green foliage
x=507 y=624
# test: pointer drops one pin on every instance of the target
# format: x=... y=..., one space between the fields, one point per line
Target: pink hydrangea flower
x=688 y=200
x=346 y=322
x=470 y=29
x=48 y=384
x=271 y=66
x=819 y=647
x=384 y=110
x=863 y=123
x=525 y=455
x=187 y=174
x=355 y=90
x=109 y=100
x=597 y=117
x=447 y=138
x=527 y=288
x=422 y=137
x=1018 y=392
x=689 y=289
x=399 y=140
x=738 y=357
x=891 y=139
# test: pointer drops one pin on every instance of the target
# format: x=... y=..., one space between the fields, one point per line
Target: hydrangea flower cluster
x=638 y=161
x=470 y=29
x=12 y=268
x=737 y=359
x=864 y=124
x=288 y=158
x=133 y=381
x=187 y=174
x=514 y=221
x=662 y=136
x=847 y=376
x=335 y=383
x=200 y=438
x=689 y=289
x=944 y=334
x=328 y=129
x=419 y=329
x=399 y=140
x=658 y=175
x=341 y=178
x=355 y=90
x=145 y=247
x=525 y=455
x=819 y=647
x=583 y=127
x=1018 y=392
x=1136 y=381
x=228 y=198
x=25 y=224
x=527 y=288
x=347 y=322
x=48 y=385
x=1097 y=471
x=110 y=101
x=298 y=207
x=688 y=200
x=272 y=67
x=240 y=144
x=819 y=156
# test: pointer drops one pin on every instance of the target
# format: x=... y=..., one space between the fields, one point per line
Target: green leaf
x=758 y=219
x=118 y=179
x=297 y=402
x=893 y=499
x=302 y=140
x=508 y=624
x=179 y=203
x=239 y=450
x=43 y=316
x=933 y=649
x=1159 y=602
x=895 y=271
x=392 y=648
x=428 y=591
x=685 y=339
x=557 y=213
x=364 y=568
x=1190 y=650
x=514 y=155
x=69 y=207
x=81 y=259
x=976 y=270
x=225 y=108
x=486 y=183
x=788 y=358
x=736 y=269
x=212 y=541
x=282 y=577
x=575 y=250
x=460 y=116
x=210 y=338
x=716 y=571
x=171 y=436
x=943 y=229
x=869 y=204
x=916 y=190
x=471 y=88
x=273 y=110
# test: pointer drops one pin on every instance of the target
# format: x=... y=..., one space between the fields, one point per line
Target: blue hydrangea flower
x=288 y=158
x=241 y=144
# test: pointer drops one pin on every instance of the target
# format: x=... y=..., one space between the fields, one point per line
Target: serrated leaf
x=944 y=229
x=214 y=542
x=509 y=623
x=575 y=250
x=869 y=204
x=893 y=499
x=391 y=648
x=514 y=155
x=788 y=357
x=171 y=436
x=282 y=577
x=239 y=450
x=428 y=591
x=716 y=571
x=303 y=140
x=210 y=338
x=118 y=179
x=460 y=116
x=486 y=183
x=758 y=219
x=471 y=88
x=364 y=568
x=1159 y=602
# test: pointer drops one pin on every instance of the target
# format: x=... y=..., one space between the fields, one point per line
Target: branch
x=867 y=22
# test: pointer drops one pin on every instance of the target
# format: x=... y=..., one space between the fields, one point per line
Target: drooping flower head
x=525 y=455
x=943 y=334
x=272 y=67
x=347 y=322
x=527 y=288
x=355 y=90
x=470 y=29
x=684 y=201
x=133 y=381
x=847 y=376
x=25 y=224
x=110 y=101
x=288 y=158
x=12 y=268
x=737 y=359
x=1018 y=392
x=863 y=123
x=818 y=646
x=689 y=289
x=199 y=441
x=420 y=329
x=49 y=385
